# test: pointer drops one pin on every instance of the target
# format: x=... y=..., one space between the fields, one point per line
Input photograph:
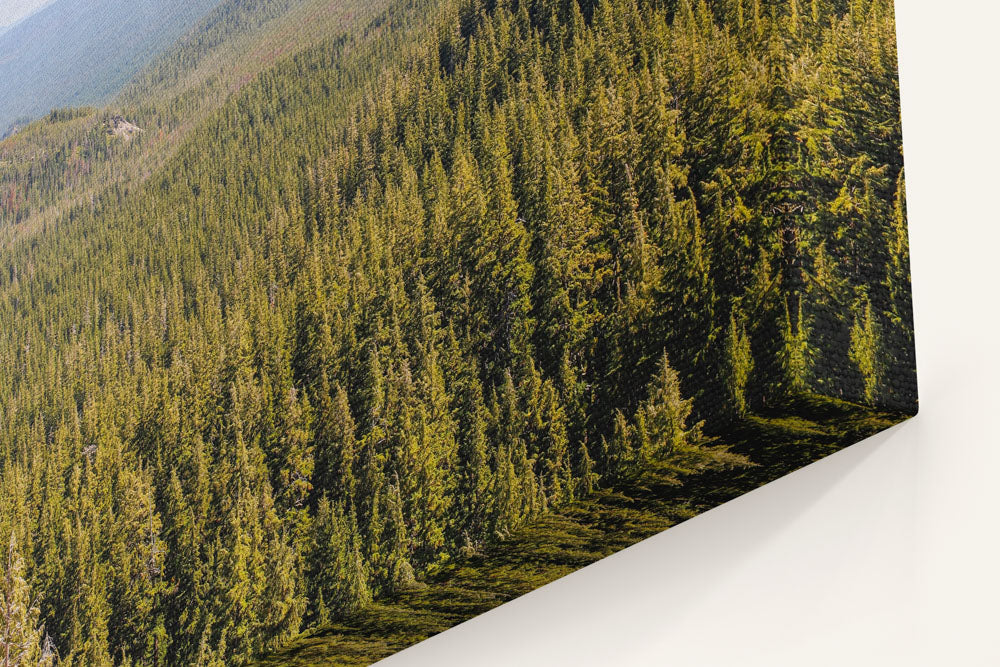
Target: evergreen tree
x=21 y=635
x=665 y=413
x=864 y=350
x=344 y=314
x=739 y=362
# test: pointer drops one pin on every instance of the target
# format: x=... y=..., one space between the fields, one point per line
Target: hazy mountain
x=76 y=52
x=14 y=11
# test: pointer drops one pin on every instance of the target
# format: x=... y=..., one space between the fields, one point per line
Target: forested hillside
x=392 y=296
x=78 y=52
x=67 y=157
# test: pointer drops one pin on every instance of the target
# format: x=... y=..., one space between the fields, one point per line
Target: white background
x=887 y=553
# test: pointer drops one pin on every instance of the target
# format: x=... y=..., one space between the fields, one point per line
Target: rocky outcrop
x=117 y=126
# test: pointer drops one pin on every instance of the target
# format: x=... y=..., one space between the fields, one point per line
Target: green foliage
x=664 y=415
x=21 y=635
x=739 y=358
x=583 y=532
x=796 y=354
x=865 y=347
x=378 y=287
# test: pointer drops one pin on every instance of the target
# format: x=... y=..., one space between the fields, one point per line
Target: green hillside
x=79 y=52
x=67 y=157
x=379 y=287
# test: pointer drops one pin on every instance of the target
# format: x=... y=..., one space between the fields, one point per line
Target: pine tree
x=295 y=476
x=795 y=353
x=619 y=448
x=555 y=470
x=21 y=635
x=395 y=548
x=585 y=473
x=335 y=444
x=501 y=272
x=475 y=477
x=739 y=363
x=665 y=412
x=865 y=346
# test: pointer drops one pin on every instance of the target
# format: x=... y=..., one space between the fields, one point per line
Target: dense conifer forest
x=380 y=285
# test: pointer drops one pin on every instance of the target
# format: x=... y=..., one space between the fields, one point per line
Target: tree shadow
x=777 y=441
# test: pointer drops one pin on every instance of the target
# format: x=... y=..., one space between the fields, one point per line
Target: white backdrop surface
x=887 y=553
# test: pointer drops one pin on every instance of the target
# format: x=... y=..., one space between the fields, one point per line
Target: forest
x=393 y=294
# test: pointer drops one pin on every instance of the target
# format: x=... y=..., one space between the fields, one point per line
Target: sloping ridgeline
x=81 y=52
x=410 y=291
x=68 y=157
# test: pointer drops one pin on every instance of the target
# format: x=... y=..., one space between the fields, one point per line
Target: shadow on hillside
x=777 y=442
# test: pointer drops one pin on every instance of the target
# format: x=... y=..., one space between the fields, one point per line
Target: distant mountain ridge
x=81 y=52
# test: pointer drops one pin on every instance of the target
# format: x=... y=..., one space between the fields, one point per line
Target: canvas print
x=330 y=324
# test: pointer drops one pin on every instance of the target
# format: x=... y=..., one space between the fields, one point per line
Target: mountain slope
x=76 y=52
x=364 y=301
x=66 y=157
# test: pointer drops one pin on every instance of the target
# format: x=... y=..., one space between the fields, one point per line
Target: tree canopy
x=401 y=291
